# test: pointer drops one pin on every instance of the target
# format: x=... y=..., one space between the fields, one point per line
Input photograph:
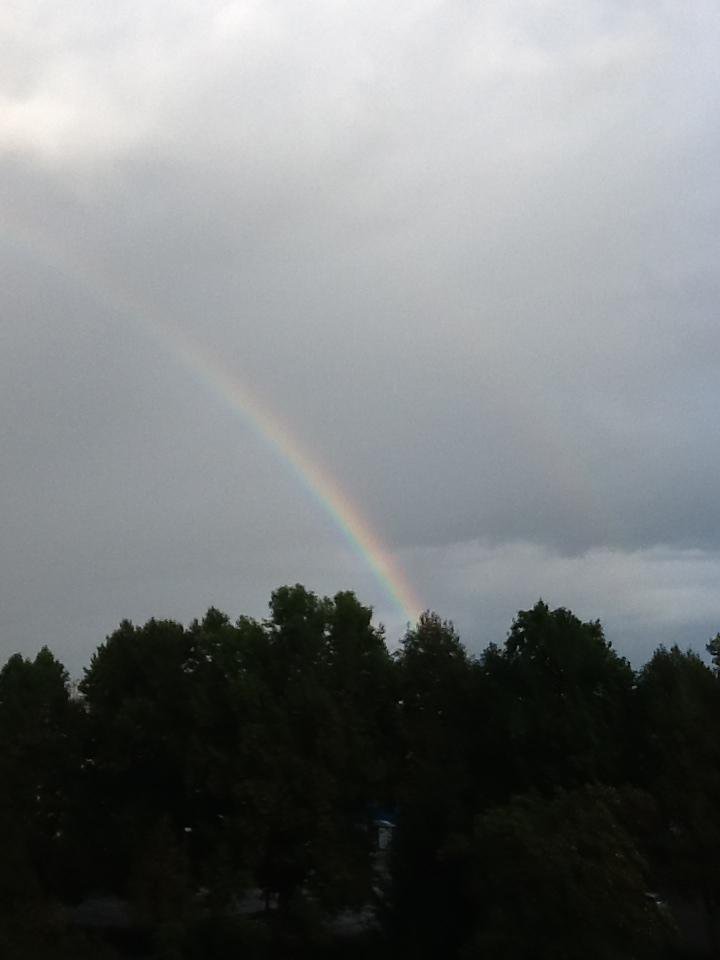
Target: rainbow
x=236 y=395
x=319 y=484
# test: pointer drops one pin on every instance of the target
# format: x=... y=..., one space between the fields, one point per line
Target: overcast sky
x=467 y=252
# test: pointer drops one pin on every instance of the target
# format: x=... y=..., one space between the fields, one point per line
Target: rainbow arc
x=234 y=393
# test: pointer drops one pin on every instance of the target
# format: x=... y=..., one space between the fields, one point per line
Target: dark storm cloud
x=467 y=253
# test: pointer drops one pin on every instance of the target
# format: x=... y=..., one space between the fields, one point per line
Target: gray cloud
x=466 y=252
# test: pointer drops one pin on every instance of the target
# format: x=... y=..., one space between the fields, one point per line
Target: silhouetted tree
x=558 y=877
x=325 y=667
x=199 y=762
x=679 y=765
x=39 y=759
x=138 y=697
x=436 y=683
x=560 y=701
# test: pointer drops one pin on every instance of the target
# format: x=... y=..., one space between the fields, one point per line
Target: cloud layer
x=467 y=253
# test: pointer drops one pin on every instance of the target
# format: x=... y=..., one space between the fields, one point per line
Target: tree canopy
x=544 y=799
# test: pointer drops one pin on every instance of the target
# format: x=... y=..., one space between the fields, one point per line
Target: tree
x=437 y=782
x=229 y=771
x=558 y=877
x=39 y=760
x=326 y=670
x=139 y=703
x=436 y=689
x=161 y=892
x=561 y=701
x=713 y=648
x=679 y=764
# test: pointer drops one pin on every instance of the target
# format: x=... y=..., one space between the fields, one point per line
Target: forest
x=290 y=787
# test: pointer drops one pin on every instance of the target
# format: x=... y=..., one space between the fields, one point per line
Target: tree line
x=548 y=801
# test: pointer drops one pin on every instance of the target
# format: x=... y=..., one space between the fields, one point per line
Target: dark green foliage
x=542 y=791
x=138 y=699
x=679 y=703
x=436 y=712
x=256 y=747
x=558 y=877
x=560 y=701
x=328 y=674
x=39 y=764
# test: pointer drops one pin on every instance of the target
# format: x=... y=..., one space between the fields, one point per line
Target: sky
x=416 y=299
